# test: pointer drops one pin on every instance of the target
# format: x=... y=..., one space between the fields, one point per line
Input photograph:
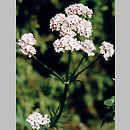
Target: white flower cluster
x=36 y=119
x=25 y=44
x=79 y=9
x=85 y=28
x=66 y=43
x=73 y=24
x=106 y=49
x=69 y=26
x=88 y=47
x=56 y=22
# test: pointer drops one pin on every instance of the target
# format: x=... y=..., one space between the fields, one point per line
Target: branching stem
x=85 y=69
x=78 y=65
x=52 y=71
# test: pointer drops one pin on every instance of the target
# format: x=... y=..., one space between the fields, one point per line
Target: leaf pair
x=62 y=120
x=52 y=112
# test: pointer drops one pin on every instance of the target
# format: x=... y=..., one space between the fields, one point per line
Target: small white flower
x=106 y=49
x=25 y=44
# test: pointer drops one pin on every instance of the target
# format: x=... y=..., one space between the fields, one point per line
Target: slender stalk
x=85 y=68
x=52 y=71
x=78 y=65
x=68 y=67
x=54 y=121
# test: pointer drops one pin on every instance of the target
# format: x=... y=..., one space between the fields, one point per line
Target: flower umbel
x=66 y=43
x=25 y=44
x=73 y=24
x=106 y=49
x=88 y=47
x=36 y=119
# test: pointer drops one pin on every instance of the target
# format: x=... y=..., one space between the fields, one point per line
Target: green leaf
x=50 y=112
x=58 y=108
x=56 y=127
x=114 y=118
x=104 y=8
x=53 y=111
x=20 y=1
x=108 y=102
x=113 y=98
x=65 y=119
x=60 y=127
x=60 y=122
x=53 y=76
x=113 y=108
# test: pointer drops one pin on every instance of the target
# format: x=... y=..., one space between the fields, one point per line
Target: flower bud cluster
x=36 y=119
x=25 y=44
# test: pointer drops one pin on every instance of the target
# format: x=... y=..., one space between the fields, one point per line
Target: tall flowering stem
x=52 y=71
x=54 y=121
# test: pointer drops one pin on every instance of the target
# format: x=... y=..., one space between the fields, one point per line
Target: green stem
x=78 y=65
x=85 y=68
x=68 y=67
x=52 y=71
x=54 y=121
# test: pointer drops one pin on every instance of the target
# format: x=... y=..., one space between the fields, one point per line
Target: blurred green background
x=36 y=89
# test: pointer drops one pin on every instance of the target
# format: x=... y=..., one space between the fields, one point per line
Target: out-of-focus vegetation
x=36 y=89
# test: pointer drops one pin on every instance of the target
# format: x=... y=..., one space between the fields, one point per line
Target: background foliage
x=37 y=89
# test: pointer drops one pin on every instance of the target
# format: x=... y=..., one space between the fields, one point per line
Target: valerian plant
x=70 y=25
